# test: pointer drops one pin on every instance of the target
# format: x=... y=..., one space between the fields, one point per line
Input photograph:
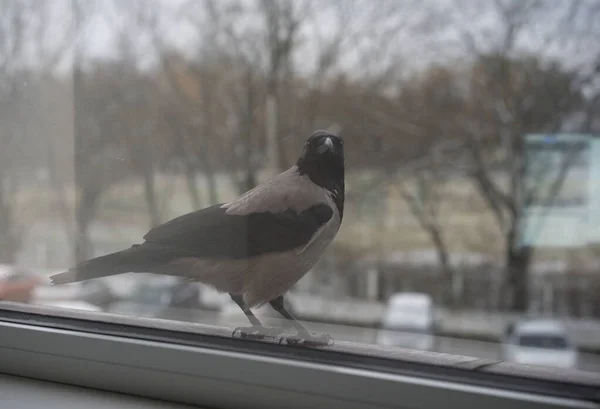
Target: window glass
x=471 y=145
x=543 y=341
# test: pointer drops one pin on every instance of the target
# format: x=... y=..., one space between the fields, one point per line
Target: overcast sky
x=418 y=43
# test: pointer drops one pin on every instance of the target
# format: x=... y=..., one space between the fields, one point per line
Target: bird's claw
x=308 y=339
x=299 y=339
x=258 y=333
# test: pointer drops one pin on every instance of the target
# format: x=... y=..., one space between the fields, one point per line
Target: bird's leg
x=257 y=330
x=278 y=306
x=303 y=337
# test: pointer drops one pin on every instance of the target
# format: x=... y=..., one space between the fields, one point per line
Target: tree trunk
x=85 y=206
x=447 y=295
x=518 y=260
x=249 y=177
x=190 y=181
x=189 y=170
x=249 y=180
x=62 y=198
x=85 y=214
x=150 y=193
x=8 y=238
x=213 y=194
x=8 y=245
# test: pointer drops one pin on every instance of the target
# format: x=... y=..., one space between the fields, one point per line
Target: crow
x=255 y=248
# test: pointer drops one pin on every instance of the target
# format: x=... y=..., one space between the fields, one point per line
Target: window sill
x=27 y=393
x=202 y=365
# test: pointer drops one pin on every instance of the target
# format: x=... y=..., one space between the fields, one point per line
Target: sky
x=372 y=39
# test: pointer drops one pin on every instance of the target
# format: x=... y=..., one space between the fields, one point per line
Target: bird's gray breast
x=270 y=275
x=288 y=190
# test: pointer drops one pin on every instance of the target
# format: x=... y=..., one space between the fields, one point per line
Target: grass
x=382 y=225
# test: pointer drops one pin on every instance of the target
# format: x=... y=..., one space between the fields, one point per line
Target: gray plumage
x=261 y=278
x=268 y=276
x=256 y=246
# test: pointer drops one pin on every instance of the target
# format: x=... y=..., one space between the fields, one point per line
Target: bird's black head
x=323 y=161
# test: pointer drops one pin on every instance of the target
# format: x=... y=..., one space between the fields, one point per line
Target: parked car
x=17 y=284
x=408 y=322
x=542 y=342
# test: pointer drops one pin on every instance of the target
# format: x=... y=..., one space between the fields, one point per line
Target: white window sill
x=26 y=393
x=197 y=364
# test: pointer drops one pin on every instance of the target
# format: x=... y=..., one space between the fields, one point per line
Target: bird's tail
x=127 y=261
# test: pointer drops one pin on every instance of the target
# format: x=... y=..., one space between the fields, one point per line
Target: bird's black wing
x=211 y=233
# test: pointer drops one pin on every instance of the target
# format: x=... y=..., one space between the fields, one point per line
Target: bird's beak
x=326 y=146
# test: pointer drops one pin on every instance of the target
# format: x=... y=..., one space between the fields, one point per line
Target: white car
x=543 y=342
x=408 y=322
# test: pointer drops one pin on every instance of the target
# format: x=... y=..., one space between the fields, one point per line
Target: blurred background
x=472 y=222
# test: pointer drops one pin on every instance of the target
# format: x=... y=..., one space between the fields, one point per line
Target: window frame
x=202 y=365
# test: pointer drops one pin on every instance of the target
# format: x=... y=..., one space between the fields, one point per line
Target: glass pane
x=471 y=208
x=543 y=341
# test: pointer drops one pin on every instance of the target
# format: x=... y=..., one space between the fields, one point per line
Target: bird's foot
x=307 y=339
x=257 y=332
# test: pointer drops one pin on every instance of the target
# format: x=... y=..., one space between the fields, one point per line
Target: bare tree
x=424 y=199
x=13 y=37
x=512 y=96
x=229 y=67
x=25 y=59
x=185 y=132
x=581 y=34
x=282 y=22
x=99 y=158
x=138 y=98
x=98 y=127
x=429 y=101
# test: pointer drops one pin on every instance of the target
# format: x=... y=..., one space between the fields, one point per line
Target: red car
x=16 y=285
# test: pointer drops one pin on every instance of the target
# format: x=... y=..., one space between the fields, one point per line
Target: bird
x=255 y=247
